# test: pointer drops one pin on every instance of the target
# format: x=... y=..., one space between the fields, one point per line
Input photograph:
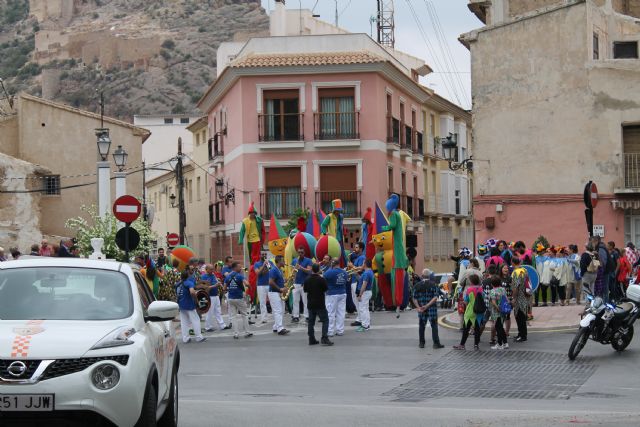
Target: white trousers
x=363 y=309
x=239 y=308
x=214 y=311
x=298 y=292
x=277 y=309
x=354 y=298
x=336 y=307
x=263 y=291
x=189 y=319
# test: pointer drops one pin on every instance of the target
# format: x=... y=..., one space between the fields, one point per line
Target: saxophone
x=288 y=286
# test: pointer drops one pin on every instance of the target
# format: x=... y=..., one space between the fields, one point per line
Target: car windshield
x=64 y=293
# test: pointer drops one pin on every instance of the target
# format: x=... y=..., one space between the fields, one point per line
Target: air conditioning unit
x=163 y=189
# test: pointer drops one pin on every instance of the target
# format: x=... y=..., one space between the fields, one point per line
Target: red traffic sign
x=591 y=195
x=173 y=239
x=127 y=209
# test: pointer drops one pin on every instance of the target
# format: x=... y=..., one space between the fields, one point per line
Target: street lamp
x=227 y=195
x=104 y=143
x=172 y=200
x=450 y=154
x=120 y=158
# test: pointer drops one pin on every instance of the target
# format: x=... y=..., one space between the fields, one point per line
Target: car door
x=157 y=335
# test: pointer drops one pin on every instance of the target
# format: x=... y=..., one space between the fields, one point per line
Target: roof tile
x=306 y=59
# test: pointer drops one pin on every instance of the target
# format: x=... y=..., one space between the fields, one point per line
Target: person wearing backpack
x=499 y=307
x=474 y=313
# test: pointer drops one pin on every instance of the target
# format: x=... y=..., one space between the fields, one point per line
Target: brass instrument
x=288 y=287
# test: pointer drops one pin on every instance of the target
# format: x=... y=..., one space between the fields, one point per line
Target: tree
x=106 y=228
x=293 y=220
x=542 y=240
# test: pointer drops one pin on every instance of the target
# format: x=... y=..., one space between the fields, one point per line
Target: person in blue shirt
x=262 y=268
x=189 y=319
x=276 y=288
x=336 y=300
x=302 y=265
x=215 y=310
x=363 y=295
x=356 y=264
x=235 y=284
x=226 y=270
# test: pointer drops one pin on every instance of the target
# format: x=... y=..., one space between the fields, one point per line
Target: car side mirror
x=162 y=311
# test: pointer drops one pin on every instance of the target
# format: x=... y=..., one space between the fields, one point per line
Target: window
x=283 y=193
x=432 y=125
x=631 y=150
x=197 y=139
x=390 y=179
x=198 y=188
x=403 y=182
x=596 y=46
x=428 y=241
x=51 y=185
x=389 y=105
x=184 y=120
x=168 y=121
x=339 y=182
x=281 y=118
x=415 y=185
x=625 y=50
x=337 y=118
x=146 y=298
x=190 y=189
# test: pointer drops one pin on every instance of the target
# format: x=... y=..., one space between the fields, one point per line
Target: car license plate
x=26 y=402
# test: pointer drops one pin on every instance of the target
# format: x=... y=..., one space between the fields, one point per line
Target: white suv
x=84 y=341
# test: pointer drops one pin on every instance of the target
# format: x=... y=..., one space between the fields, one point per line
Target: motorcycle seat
x=623 y=309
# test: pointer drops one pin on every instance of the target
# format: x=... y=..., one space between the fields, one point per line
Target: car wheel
x=170 y=416
x=149 y=408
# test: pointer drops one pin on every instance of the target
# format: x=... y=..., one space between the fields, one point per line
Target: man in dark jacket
x=65 y=248
x=315 y=287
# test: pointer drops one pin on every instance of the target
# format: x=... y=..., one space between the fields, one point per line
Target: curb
x=445 y=322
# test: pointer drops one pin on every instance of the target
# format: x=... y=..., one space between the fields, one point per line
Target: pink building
x=303 y=120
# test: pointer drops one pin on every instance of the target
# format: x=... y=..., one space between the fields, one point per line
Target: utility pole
x=144 y=191
x=336 y=12
x=182 y=217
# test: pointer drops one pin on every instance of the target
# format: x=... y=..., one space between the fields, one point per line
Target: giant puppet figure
x=366 y=235
x=398 y=226
x=332 y=225
x=253 y=229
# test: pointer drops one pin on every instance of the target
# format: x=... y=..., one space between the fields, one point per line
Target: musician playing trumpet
x=276 y=288
x=214 y=288
x=302 y=266
x=262 y=268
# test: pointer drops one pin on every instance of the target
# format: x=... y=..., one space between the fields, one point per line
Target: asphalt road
x=382 y=378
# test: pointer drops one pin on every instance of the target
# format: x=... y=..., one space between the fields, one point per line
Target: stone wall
x=520 y=7
x=19 y=212
x=9 y=135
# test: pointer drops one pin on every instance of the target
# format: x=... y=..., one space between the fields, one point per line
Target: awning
x=625 y=203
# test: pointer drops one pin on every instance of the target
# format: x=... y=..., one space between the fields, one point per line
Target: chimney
x=278 y=19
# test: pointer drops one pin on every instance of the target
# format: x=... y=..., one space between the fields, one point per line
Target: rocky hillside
x=151 y=56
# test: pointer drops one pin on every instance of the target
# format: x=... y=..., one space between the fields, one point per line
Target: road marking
x=318 y=378
x=203 y=375
x=261 y=376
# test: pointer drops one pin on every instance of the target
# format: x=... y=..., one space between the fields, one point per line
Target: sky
x=449 y=60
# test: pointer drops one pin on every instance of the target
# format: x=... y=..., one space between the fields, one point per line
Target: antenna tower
x=385 y=23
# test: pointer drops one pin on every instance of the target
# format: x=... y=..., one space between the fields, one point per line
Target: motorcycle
x=607 y=323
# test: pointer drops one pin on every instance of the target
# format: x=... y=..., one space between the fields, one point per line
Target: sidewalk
x=544 y=318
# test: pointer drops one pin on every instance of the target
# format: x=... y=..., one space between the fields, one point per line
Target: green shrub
x=169 y=44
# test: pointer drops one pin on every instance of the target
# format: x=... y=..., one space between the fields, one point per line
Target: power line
x=451 y=88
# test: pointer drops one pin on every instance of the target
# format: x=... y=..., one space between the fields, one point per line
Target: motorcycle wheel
x=621 y=341
x=578 y=342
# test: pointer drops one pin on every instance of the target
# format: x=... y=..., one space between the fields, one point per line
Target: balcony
x=216 y=214
x=282 y=204
x=284 y=130
x=393 y=134
x=351 y=202
x=215 y=151
x=332 y=126
x=631 y=173
x=406 y=142
x=418 y=148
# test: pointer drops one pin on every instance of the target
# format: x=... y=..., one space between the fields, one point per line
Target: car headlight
x=105 y=377
x=116 y=338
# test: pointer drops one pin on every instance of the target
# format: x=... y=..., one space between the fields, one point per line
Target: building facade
x=299 y=120
x=553 y=109
x=61 y=140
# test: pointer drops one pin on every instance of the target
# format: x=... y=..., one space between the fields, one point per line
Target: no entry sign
x=173 y=239
x=591 y=195
x=127 y=209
